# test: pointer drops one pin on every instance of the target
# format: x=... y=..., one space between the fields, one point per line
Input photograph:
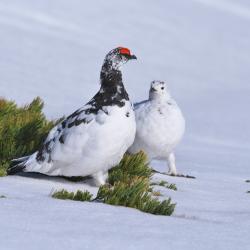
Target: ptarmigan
x=95 y=137
x=160 y=126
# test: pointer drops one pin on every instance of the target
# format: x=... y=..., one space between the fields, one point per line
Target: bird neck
x=111 y=77
x=110 y=64
x=159 y=99
x=111 y=82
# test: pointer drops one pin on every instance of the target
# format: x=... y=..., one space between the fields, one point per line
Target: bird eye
x=162 y=88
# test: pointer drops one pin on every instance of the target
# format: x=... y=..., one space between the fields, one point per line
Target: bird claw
x=170 y=173
x=184 y=175
x=174 y=175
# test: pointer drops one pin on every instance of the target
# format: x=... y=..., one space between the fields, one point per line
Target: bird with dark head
x=110 y=72
x=112 y=90
x=116 y=58
x=95 y=137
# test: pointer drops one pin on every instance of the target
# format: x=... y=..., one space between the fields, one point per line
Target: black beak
x=130 y=57
x=133 y=57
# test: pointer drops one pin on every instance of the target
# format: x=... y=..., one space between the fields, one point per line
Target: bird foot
x=183 y=175
x=173 y=174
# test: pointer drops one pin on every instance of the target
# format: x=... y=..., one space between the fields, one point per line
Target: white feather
x=89 y=147
x=160 y=125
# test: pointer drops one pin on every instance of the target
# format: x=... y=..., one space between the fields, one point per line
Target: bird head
x=117 y=57
x=158 y=90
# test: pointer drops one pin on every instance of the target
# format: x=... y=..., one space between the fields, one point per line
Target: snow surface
x=55 y=49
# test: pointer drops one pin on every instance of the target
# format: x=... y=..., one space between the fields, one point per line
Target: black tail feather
x=16 y=168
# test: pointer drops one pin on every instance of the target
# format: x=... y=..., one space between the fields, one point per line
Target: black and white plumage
x=160 y=126
x=94 y=138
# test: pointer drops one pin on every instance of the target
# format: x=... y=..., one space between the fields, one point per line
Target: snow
x=55 y=49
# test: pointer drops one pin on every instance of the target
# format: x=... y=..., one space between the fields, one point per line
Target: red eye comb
x=124 y=51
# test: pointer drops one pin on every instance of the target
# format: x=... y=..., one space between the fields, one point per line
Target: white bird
x=160 y=126
x=95 y=137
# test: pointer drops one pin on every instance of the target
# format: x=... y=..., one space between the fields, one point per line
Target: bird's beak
x=132 y=57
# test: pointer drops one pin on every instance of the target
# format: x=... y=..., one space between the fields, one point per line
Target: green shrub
x=78 y=196
x=129 y=167
x=22 y=130
x=3 y=171
x=156 y=193
x=129 y=186
x=165 y=184
x=135 y=194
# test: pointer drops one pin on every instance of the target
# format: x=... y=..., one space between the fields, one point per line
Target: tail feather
x=17 y=165
x=21 y=159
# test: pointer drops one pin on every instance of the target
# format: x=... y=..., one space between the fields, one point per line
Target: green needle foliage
x=78 y=196
x=135 y=194
x=165 y=184
x=156 y=193
x=3 y=170
x=22 y=130
x=129 y=186
x=129 y=167
x=171 y=186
